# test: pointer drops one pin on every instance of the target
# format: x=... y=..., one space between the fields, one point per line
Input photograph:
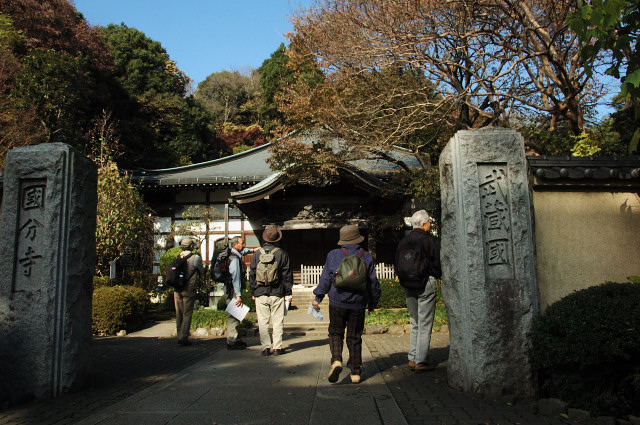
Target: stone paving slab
x=237 y=387
x=133 y=371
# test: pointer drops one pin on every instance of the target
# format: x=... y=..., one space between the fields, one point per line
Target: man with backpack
x=271 y=281
x=185 y=297
x=349 y=277
x=418 y=267
x=234 y=283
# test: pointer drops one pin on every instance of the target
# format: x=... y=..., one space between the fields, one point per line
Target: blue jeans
x=422 y=308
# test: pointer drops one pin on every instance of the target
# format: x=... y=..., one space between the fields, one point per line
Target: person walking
x=347 y=307
x=185 y=298
x=271 y=281
x=418 y=266
x=234 y=285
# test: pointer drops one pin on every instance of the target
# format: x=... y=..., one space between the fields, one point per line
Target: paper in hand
x=237 y=312
x=315 y=313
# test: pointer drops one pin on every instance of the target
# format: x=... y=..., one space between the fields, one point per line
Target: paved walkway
x=146 y=378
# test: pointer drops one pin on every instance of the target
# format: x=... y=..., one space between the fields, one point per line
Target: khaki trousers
x=270 y=307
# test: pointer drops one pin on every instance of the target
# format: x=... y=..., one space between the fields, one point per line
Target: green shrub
x=118 y=307
x=101 y=281
x=209 y=318
x=392 y=294
x=167 y=258
x=140 y=279
x=388 y=317
x=586 y=349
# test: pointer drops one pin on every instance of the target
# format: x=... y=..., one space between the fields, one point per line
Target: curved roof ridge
x=216 y=161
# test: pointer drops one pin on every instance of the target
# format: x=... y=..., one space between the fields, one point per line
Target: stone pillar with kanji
x=488 y=262
x=47 y=263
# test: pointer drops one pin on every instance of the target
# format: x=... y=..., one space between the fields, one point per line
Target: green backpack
x=352 y=273
x=267 y=268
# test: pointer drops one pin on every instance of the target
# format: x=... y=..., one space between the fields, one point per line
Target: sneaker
x=236 y=346
x=334 y=373
x=355 y=379
x=423 y=367
x=412 y=365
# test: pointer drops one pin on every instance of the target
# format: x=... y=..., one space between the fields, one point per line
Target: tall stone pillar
x=47 y=262
x=488 y=258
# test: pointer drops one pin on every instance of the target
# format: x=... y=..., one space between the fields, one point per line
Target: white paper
x=237 y=312
x=286 y=307
x=315 y=313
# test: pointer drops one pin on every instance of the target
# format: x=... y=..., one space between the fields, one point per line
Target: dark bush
x=101 y=281
x=586 y=349
x=392 y=294
x=118 y=307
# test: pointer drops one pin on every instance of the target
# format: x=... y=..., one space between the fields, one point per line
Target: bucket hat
x=186 y=242
x=271 y=234
x=350 y=235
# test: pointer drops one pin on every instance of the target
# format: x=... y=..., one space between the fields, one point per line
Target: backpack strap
x=186 y=257
x=346 y=254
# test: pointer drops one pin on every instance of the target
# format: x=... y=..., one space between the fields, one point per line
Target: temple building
x=240 y=195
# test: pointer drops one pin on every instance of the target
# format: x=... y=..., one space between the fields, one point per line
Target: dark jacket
x=285 y=276
x=431 y=247
x=342 y=298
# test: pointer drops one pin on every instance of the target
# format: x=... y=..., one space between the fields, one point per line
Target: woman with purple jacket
x=347 y=308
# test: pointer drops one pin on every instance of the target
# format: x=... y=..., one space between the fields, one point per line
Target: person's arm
x=287 y=275
x=375 y=291
x=234 y=269
x=432 y=246
x=197 y=263
x=324 y=284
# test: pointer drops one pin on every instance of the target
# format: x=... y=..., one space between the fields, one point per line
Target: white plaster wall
x=584 y=239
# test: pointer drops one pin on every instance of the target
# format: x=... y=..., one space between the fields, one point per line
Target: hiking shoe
x=355 y=379
x=412 y=365
x=423 y=367
x=334 y=373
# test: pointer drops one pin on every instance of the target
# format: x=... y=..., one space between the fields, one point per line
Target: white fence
x=310 y=275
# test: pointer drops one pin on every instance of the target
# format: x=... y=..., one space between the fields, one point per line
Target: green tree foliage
x=274 y=76
x=52 y=73
x=55 y=85
x=230 y=97
x=163 y=128
x=123 y=220
x=18 y=123
x=612 y=27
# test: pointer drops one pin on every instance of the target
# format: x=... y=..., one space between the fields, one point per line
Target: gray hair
x=419 y=218
x=234 y=240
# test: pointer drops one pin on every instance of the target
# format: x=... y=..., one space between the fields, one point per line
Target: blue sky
x=202 y=36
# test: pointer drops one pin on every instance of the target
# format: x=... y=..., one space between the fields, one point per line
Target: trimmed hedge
x=118 y=307
x=392 y=294
x=586 y=349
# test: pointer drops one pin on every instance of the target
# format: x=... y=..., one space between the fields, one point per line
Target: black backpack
x=177 y=272
x=412 y=265
x=220 y=265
